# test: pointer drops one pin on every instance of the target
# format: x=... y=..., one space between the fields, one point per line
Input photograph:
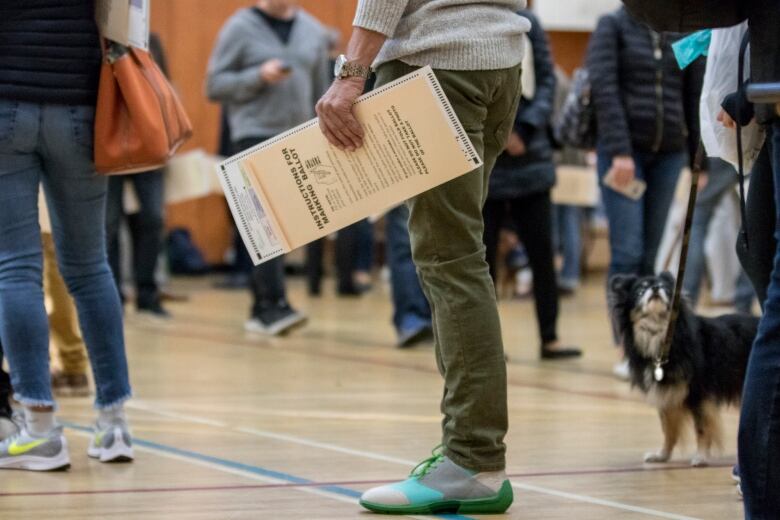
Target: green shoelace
x=429 y=464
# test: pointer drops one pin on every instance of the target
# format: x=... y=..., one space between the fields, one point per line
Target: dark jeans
x=364 y=246
x=268 y=287
x=410 y=308
x=759 y=430
x=636 y=227
x=146 y=230
x=531 y=217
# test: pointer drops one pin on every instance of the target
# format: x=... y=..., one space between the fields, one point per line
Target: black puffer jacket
x=643 y=101
x=687 y=15
x=49 y=51
x=532 y=172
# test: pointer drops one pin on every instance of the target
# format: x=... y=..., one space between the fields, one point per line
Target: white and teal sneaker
x=23 y=450
x=112 y=443
x=439 y=486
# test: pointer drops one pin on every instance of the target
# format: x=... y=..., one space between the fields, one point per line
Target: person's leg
x=493 y=213
x=271 y=312
x=661 y=173
x=114 y=214
x=445 y=226
x=757 y=255
x=346 y=248
x=446 y=229
x=411 y=312
x=76 y=198
x=720 y=180
x=23 y=323
x=759 y=430
x=364 y=254
x=314 y=271
x=147 y=230
x=532 y=216
x=570 y=230
x=625 y=218
x=66 y=341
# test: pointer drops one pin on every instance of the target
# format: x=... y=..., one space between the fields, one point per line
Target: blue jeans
x=759 y=429
x=410 y=307
x=146 y=230
x=568 y=241
x=52 y=144
x=636 y=227
x=722 y=178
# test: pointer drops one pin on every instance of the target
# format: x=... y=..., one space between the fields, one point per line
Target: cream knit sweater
x=447 y=34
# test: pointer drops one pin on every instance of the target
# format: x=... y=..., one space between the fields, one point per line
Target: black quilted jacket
x=643 y=101
x=687 y=15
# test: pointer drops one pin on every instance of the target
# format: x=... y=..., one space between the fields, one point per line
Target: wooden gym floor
x=233 y=426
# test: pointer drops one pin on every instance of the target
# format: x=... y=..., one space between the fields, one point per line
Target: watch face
x=340 y=61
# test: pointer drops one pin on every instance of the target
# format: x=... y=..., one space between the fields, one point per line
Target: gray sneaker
x=26 y=451
x=112 y=443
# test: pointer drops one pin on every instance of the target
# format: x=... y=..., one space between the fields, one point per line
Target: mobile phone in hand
x=633 y=190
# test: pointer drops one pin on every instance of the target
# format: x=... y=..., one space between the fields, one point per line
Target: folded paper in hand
x=296 y=188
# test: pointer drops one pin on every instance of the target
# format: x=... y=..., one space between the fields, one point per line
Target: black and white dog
x=706 y=362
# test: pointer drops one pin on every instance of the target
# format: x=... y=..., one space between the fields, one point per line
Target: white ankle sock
x=106 y=417
x=39 y=424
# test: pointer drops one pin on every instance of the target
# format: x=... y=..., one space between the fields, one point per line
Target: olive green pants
x=445 y=226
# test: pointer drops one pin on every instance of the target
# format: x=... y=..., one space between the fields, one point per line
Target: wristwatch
x=350 y=69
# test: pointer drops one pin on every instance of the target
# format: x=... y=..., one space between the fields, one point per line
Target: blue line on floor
x=257 y=470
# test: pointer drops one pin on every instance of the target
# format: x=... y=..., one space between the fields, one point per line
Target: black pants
x=346 y=254
x=268 y=287
x=531 y=217
x=146 y=230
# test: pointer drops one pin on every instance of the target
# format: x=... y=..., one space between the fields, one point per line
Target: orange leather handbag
x=139 y=120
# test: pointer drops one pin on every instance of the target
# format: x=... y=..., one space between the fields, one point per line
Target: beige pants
x=67 y=347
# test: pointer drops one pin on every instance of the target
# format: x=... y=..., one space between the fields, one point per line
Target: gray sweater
x=447 y=34
x=256 y=109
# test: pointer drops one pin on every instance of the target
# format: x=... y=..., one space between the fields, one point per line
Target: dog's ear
x=620 y=285
x=668 y=278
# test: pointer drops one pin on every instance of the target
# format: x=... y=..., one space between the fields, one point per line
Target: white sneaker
x=621 y=370
x=23 y=450
x=112 y=443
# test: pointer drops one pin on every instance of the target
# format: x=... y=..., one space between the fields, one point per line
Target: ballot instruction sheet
x=296 y=187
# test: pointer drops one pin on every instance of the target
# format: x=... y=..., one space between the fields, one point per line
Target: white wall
x=572 y=15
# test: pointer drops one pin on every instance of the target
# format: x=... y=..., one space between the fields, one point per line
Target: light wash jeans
x=52 y=144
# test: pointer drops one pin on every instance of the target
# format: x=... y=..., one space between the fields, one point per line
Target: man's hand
x=337 y=121
x=515 y=146
x=273 y=72
x=623 y=170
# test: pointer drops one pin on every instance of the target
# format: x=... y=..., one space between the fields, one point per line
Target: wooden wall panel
x=568 y=48
x=188 y=30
